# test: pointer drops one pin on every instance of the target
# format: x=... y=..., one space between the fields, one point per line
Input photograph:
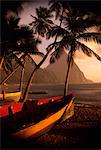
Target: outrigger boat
x=15 y=96
x=25 y=120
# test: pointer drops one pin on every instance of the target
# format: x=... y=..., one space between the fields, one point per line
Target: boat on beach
x=15 y=96
x=30 y=119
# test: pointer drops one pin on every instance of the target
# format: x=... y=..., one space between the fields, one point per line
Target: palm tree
x=41 y=25
x=23 y=42
x=18 y=40
x=74 y=29
x=7 y=6
x=9 y=43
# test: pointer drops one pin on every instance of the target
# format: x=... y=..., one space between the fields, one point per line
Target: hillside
x=59 y=68
x=53 y=73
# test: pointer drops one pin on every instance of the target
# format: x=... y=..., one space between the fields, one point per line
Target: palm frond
x=41 y=24
x=35 y=18
x=86 y=50
x=50 y=21
x=52 y=59
x=66 y=41
x=56 y=30
x=55 y=6
x=78 y=23
x=39 y=54
x=90 y=36
x=43 y=12
x=13 y=21
x=52 y=45
x=57 y=52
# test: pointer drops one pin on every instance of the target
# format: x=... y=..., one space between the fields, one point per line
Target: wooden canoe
x=15 y=96
x=34 y=118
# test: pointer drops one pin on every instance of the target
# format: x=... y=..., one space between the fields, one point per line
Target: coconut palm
x=8 y=40
x=41 y=25
x=26 y=48
x=19 y=40
x=7 y=7
x=74 y=30
x=23 y=41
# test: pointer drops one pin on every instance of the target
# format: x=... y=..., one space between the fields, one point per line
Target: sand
x=83 y=130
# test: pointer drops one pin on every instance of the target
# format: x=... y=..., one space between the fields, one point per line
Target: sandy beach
x=81 y=131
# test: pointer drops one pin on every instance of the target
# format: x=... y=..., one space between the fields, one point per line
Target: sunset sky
x=91 y=67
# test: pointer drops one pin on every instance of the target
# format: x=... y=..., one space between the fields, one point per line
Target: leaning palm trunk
x=68 y=74
x=21 y=79
x=1 y=62
x=37 y=67
x=32 y=76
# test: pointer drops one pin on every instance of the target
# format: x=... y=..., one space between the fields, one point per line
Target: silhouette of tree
x=75 y=24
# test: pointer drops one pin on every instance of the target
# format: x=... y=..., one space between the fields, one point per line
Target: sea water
x=84 y=93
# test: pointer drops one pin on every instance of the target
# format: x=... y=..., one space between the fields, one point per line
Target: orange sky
x=91 y=67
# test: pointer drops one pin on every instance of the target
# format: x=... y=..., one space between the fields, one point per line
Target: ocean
x=84 y=93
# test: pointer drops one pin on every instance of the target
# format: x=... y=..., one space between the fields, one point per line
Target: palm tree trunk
x=1 y=63
x=32 y=76
x=28 y=86
x=21 y=79
x=68 y=75
x=2 y=60
x=37 y=67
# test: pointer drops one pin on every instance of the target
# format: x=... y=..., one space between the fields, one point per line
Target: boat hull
x=15 y=96
x=43 y=126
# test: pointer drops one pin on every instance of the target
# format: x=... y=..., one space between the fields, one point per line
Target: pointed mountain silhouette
x=56 y=73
